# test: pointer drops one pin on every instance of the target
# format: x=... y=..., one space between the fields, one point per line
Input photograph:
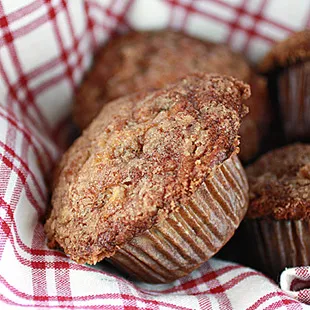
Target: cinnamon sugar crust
x=141 y=158
x=280 y=184
x=148 y=60
x=291 y=51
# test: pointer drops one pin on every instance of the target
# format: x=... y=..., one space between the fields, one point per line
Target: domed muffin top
x=294 y=49
x=280 y=184
x=147 y=60
x=140 y=159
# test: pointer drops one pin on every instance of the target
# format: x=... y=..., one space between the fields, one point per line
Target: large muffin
x=278 y=218
x=147 y=60
x=154 y=182
x=287 y=66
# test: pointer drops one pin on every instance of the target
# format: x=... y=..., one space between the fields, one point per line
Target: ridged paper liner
x=294 y=101
x=275 y=245
x=193 y=233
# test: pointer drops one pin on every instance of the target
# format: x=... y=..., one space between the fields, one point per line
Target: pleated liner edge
x=278 y=244
x=191 y=234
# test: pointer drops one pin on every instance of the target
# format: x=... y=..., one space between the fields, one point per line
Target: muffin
x=277 y=223
x=148 y=60
x=154 y=183
x=288 y=68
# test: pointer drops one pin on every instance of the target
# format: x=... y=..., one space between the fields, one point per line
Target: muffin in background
x=154 y=183
x=277 y=225
x=150 y=60
x=288 y=68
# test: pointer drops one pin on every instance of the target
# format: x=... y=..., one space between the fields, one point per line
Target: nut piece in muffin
x=154 y=182
x=278 y=219
x=288 y=68
x=147 y=60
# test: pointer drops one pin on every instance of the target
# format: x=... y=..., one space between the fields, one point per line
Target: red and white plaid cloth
x=45 y=47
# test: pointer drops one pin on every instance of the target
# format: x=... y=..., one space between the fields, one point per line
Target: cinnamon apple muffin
x=154 y=183
x=287 y=66
x=277 y=223
x=148 y=60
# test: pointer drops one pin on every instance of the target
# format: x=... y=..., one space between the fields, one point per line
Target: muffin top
x=294 y=49
x=148 y=60
x=139 y=160
x=280 y=184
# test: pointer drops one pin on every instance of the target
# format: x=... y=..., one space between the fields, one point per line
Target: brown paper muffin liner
x=191 y=234
x=274 y=245
x=294 y=101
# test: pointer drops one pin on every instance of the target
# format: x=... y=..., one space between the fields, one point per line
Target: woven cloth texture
x=45 y=47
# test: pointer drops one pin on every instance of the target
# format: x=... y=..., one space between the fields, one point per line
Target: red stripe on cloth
x=22 y=176
x=51 y=64
x=220 y=295
x=39 y=280
x=120 y=17
x=233 y=26
x=90 y=25
x=101 y=25
x=267 y=20
x=110 y=11
x=188 y=9
x=52 y=13
x=49 y=83
x=63 y=282
x=75 y=41
x=5 y=177
x=112 y=296
x=33 y=141
x=54 y=80
x=303 y=296
x=98 y=306
x=12 y=236
x=257 y=17
x=30 y=100
x=285 y=303
x=219 y=19
x=124 y=289
x=267 y=297
x=303 y=272
x=32 y=251
x=172 y=14
x=187 y=286
x=12 y=92
x=10 y=139
x=204 y=302
x=16 y=191
x=35 y=252
x=24 y=30
x=5 y=228
x=22 y=12
x=219 y=289
x=10 y=151
x=32 y=305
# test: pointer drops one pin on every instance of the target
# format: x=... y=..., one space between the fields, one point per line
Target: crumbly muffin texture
x=139 y=160
x=148 y=60
x=296 y=48
x=280 y=184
